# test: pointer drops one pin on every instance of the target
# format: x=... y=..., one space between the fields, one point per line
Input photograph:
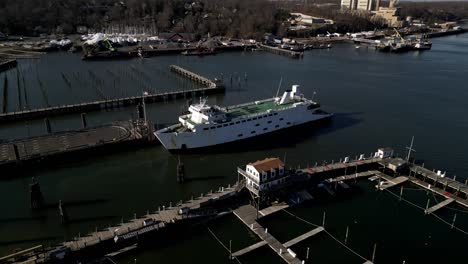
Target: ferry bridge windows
x=240 y=135
x=253 y=132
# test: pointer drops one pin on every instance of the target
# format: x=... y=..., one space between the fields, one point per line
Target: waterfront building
x=390 y=14
x=265 y=175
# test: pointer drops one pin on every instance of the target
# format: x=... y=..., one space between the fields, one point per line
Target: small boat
x=203 y=52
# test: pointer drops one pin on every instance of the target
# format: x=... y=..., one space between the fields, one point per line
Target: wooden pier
x=304 y=236
x=438 y=180
x=439 y=206
x=214 y=87
x=6 y=64
x=198 y=208
x=247 y=214
x=280 y=51
x=196 y=77
x=23 y=151
x=439 y=191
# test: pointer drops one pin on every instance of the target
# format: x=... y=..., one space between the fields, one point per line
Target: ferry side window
x=269 y=122
x=212 y=127
x=265 y=129
x=254 y=118
x=257 y=124
x=225 y=125
x=231 y=124
x=249 y=119
x=288 y=123
x=243 y=121
x=275 y=113
x=219 y=126
x=277 y=126
x=206 y=128
x=240 y=135
x=281 y=119
x=238 y=122
x=270 y=114
x=253 y=132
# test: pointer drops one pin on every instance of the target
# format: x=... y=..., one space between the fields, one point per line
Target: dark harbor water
x=379 y=100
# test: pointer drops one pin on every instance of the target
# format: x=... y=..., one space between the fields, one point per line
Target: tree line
x=233 y=18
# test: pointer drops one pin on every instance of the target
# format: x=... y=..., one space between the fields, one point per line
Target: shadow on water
x=210 y=178
x=283 y=138
x=77 y=203
x=93 y=219
x=21 y=219
x=32 y=240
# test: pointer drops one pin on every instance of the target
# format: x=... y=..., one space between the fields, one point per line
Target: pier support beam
x=37 y=200
x=84 y=123
x=47 y=125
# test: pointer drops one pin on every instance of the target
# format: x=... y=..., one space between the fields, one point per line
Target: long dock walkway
x=439 y=206
x=276 y=50
x=161 y=218
x=438 y=180
x=303 y=237
x=247 y=214
x=196 y=77
x=105 y=104
x=195 y=208
x=442 y=192
x=340 y=165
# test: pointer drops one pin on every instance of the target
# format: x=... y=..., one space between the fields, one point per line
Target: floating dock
x=247 y=214
x=214 y=87
x=280 y=51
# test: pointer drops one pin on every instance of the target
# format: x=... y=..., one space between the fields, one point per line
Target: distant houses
x=177 y=37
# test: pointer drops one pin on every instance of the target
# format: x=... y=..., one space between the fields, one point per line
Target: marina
x=213 y=87
x=211 y=205
x=352 y=172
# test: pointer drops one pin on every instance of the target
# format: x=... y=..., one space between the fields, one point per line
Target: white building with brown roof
x=264 y=175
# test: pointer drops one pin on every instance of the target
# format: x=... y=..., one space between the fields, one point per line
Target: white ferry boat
x=206 y=126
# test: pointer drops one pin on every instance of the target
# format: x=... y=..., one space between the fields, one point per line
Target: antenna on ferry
x=279 y=86
x=313 y=95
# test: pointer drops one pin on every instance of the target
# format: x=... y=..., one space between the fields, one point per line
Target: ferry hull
x=173 y=145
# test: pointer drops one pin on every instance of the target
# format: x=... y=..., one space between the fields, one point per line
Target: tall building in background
x=365 y=5
x=348 y=4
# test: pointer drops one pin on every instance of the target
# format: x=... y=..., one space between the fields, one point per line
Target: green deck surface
x=256 y=108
